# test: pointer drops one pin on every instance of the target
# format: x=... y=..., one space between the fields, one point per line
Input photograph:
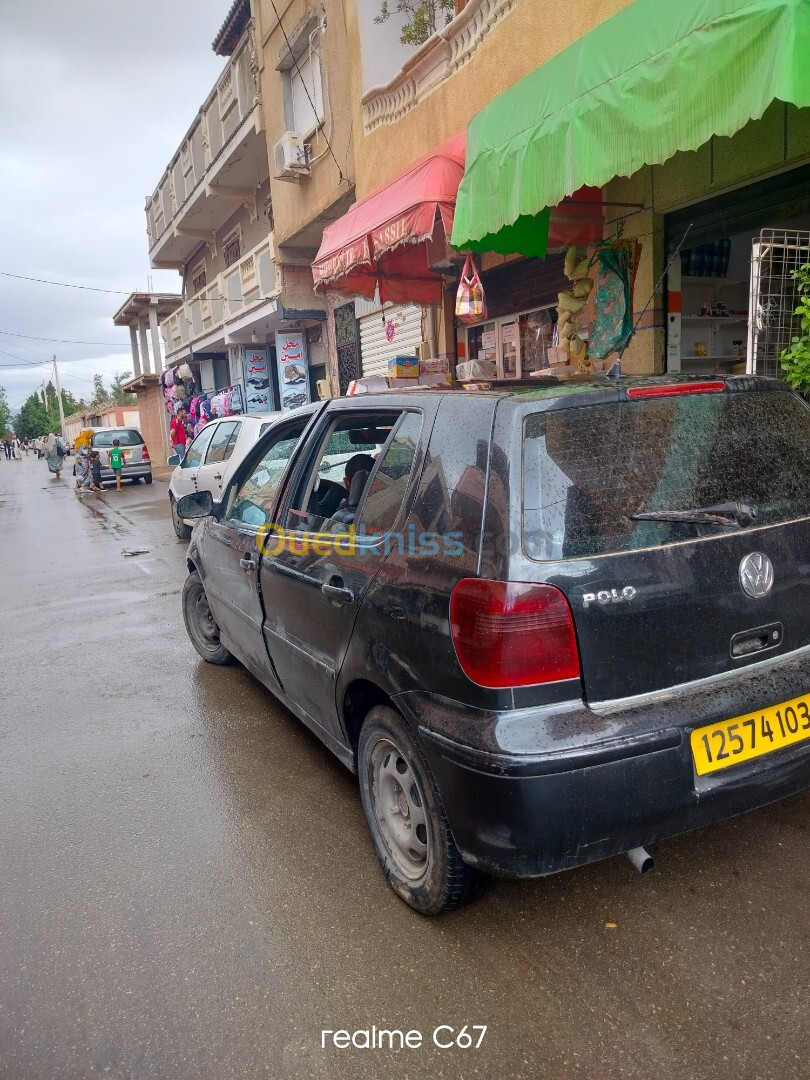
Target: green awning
x=658 y=77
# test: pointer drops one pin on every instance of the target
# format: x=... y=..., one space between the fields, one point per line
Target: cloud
x=97 y=96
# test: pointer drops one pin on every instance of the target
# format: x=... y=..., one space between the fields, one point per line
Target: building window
x=305 y=94
x=198 y=278
x=232 y=247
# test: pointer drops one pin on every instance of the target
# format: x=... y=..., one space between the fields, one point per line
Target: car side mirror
x=173 y=460
x=199 y=504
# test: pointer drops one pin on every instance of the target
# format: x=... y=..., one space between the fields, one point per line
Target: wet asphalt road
x=187 y=888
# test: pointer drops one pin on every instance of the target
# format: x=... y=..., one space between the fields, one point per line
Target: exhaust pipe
x=641 y=859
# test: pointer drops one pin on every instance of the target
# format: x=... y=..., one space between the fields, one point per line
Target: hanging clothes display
x=613 y=304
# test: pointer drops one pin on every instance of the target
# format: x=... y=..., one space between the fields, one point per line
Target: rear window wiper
x=731 y=515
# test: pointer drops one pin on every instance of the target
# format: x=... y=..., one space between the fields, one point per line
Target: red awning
x=382 y=240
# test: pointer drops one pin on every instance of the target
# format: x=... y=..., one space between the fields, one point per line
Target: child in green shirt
x=117 y=462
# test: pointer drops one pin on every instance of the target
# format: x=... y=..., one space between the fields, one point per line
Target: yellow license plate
x=717 y=746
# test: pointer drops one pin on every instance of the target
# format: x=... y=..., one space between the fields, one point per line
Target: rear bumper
x=529 y=792
x=131 y=469
x=552 y=816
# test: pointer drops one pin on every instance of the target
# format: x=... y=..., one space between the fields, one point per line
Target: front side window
x=386 y=493
x=222 y=443
x=196 y=451
x=327 y=498
x=253 y=502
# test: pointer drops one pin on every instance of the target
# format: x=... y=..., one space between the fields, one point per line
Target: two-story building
x=211 y=218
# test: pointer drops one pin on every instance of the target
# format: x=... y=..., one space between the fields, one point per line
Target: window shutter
x=307 y=73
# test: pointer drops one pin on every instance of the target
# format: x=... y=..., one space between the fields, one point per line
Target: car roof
x=545 y=388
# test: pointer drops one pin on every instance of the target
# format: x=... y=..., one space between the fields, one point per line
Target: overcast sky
x=97 y=95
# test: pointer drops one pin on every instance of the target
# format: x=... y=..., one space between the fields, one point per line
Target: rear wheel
x=182 y=530
x=148 y=478
x=407 y=821
x=200 y=625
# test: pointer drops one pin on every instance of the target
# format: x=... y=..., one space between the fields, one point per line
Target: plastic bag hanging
x=471 y=303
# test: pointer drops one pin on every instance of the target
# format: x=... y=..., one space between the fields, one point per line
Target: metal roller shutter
x=401 y=323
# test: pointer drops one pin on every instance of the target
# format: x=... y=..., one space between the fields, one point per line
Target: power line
x=65 y=341
x=65 y=284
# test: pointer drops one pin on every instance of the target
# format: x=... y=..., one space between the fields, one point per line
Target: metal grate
x=772 y=320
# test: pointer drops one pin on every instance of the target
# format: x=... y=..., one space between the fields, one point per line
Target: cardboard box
x=434 y=366
x=436 y=378
x=403 y=367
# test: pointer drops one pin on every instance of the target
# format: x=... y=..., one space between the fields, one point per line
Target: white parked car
x=211 y=457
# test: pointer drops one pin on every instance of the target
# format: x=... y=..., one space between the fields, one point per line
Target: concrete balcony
x=220 y=163
x=228 y=309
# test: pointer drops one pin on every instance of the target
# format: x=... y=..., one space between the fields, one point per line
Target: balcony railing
x=244 y=285
x=229 y=104
x=433 y=62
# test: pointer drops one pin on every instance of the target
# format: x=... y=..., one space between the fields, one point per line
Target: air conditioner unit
x=290 y=157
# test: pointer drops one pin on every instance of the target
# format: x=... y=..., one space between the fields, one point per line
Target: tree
x=101 y=397
x=423 y=17
x=119 y=395
x=32 y=419
x=5 y=412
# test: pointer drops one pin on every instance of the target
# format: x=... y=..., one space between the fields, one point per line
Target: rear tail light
x=144 y=453
x=512 y=633
x=668 y=389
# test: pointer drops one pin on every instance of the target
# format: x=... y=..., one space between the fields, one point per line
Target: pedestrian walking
x=92 y=481
x=178 y=431
x=117 y=462
x=53 y=449
x=7 y=447
x=16 y=449
x=81 y=469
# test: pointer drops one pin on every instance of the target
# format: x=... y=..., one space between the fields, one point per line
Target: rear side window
x=125 y=436
x=588 y=470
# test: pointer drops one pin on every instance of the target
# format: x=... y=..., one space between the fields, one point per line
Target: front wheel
x=182 y=530
x=200 y=625
x=407 y=821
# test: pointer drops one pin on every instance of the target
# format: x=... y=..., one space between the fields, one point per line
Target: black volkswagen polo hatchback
x=545 y=624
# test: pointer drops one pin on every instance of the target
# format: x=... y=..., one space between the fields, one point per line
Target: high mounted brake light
x=670 y=389
x=512 y=633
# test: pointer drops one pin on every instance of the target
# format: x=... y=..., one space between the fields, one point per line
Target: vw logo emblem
x=756 y=575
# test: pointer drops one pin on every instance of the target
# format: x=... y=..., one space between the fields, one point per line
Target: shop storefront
x=649 y=85
x=731 y=297
x=387 y=332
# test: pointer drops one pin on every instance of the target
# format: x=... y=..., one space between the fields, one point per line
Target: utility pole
x=59 y=397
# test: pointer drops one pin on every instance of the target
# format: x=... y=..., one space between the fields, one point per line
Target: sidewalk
x=163 y=473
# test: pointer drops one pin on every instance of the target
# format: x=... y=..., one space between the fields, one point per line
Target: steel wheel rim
x=176 y=517
x=204 y=623
x=399 y=806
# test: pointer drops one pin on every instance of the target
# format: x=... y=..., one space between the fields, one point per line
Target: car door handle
x=218 y=476
x=335 y=590
x=248 y=563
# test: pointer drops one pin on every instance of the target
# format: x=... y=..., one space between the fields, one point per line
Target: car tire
x=182 y=531
x=406 y=818
x=200 y=625
x=148 y=478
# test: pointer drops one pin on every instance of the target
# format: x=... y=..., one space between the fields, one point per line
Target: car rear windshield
x=588 y=470
x=125 y=436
